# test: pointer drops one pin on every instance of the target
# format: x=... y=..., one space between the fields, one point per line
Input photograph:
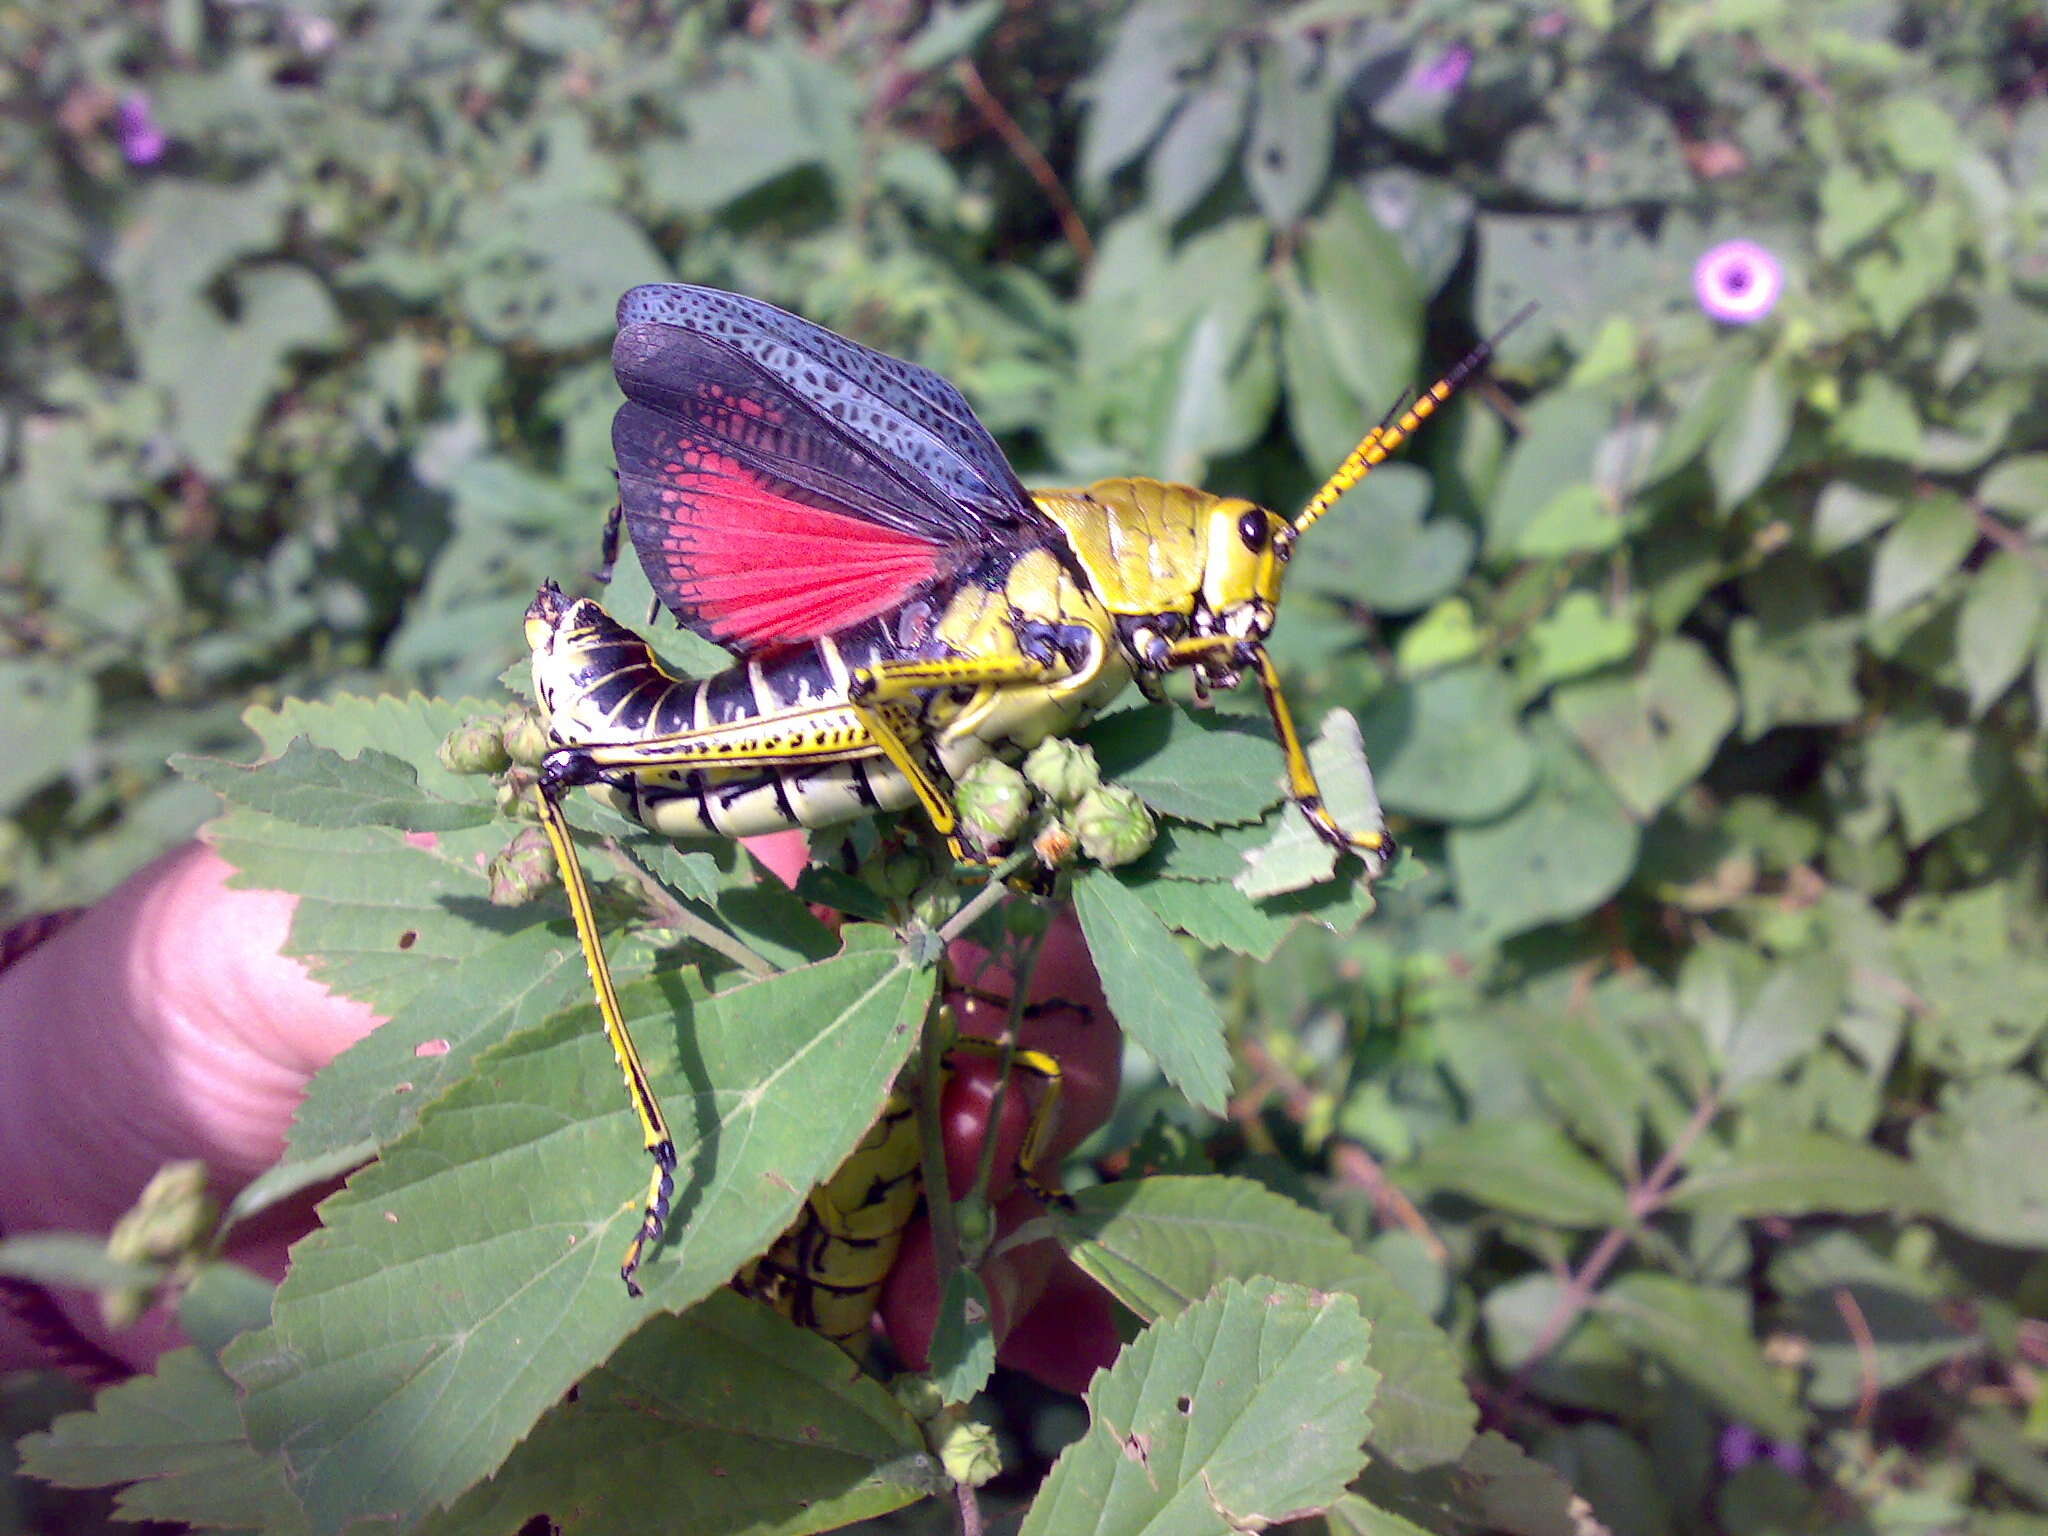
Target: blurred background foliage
x=1694 y=1080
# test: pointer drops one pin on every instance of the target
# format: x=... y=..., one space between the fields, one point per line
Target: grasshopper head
x=1245 y=554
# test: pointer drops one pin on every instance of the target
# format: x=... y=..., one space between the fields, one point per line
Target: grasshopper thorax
x=1174 y=563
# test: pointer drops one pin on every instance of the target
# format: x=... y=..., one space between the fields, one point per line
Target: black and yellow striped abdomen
x=773 y=742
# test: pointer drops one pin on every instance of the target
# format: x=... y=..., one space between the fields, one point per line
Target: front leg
x=1302 y=787
x=1219 y=651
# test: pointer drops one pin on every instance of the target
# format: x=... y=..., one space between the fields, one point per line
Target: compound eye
x=1252 y=529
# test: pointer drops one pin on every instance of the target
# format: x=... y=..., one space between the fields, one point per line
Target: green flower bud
x=475 y=746
x=976 y=1224
x=1062 y=771
x=935 y=905
x=920 y=1397
x=170 y=1217
x=994 y=802
x=969 y=1453
x=515 y=796
x=523 y=870
x=1114 y=826
x=901 y=874
x=526 y=739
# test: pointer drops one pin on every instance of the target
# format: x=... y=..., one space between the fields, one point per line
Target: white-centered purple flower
x=1738 y=282
x=1446 y=72
x=143 y=142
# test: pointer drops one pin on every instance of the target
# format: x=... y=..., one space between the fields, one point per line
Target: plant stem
x=1645 y=1199
x=668 y=912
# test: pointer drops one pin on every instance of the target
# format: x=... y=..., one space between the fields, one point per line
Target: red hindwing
x=782 y=483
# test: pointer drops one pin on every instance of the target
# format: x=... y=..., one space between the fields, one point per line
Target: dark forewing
x=781 y=482
x=906 y=413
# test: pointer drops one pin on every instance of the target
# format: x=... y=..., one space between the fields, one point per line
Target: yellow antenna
x=1390 y=434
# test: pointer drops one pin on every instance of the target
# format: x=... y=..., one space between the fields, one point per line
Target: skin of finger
x=1068 y=1335
x=1015 y=1279
x=163 y=1024
x=1050 y=1320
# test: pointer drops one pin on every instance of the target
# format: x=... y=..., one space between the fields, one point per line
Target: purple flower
x=1738 y=281
x=1740 y=1445
x=135 y=125
x=1445 y=73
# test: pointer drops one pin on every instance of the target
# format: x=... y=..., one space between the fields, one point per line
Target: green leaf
x=1846 y=512
x=1938 y=777
x=2017 y=484
x=493 y=1232
x=1920 y=134
x=50 y=711
x=176 y=1437
x=1597 y=148
x=1982 y=1146
x=373 y=1092
x=1919 y=551
x=1895 y=1337
x=951 y=33
x=1705 y=1338
x=1201 y=767
x=1594 y=1075
x=963 y=1349
x=1199 y=144
x=1448 y=746
x=1880 y=422
x=1801 y=673
x=1552 y=458
x=1446 y=635
x=1525 y=1167
x=1137 y=86
x=1154 y=992
x=221 y=1302
x=1746 y=448
x=380 y=914
x=758 y=1423
x=1560 y=853
x=1585 y=1367
x=1160 y=1244
x=1374 y=546
x=220 y=371
x=1246 y=1409
x=1297 y=857
x=1365 y=301
x=314 y=787
x=1799 y=1001
x=1215 y=915
x=1654 y=732
x=1429 y=217
x=1853 y=207
x=1578 y=636
x=1581 y=268
x=1578 y=519
x=74 y=1262
x=550 y=272
x=1287 y=156
x=1804 y=1173
x=1495 y=1489
x=1995 y=632
x=1982 y=1000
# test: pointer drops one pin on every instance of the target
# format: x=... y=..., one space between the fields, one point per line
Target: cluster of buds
x=1106 y=822
x=493 y=743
